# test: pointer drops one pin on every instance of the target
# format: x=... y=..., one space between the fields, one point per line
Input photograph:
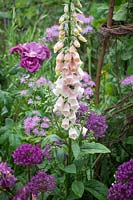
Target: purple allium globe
x=97 y=124
x=22 y=194
x=125 y=172
x=32 y=55
x=42 y=182
x=120 y=191
x=7 y=179
x=27 y=154
x=123 y=188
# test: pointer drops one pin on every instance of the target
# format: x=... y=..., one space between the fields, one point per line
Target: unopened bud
x=79 y=5
x=81 y=38
x=61 y=27
x=76 y=44
x=76 y=32
x=62 y=18
x=66 y=8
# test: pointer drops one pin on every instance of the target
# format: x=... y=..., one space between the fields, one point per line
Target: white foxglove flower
x=73 y=134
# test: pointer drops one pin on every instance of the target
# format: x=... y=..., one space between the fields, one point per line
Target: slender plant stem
x=29 y=176
x=69 y=22
x=42 y=195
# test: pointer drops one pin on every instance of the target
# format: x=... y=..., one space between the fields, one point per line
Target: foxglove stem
x=69 y=23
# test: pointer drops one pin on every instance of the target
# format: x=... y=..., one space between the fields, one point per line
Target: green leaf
x=97 y=189
x=9 y=123
x=78 y=188
x=70 y=169
x=5 y=15
x=129 y=140
x=92 y=148
x=121 y=14
x=75 y=150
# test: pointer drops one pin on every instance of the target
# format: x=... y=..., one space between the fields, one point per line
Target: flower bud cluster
x=68 y=67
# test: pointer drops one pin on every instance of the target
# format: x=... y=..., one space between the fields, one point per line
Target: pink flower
x=31 y=64
x=73 y=134
x=23 y=92
x=65 y=123
x=32 y=55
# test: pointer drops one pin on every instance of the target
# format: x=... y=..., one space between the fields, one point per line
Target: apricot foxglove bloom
x=68 y=65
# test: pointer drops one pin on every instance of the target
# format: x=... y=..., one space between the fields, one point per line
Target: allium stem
x=29 y=176
x=42 y=195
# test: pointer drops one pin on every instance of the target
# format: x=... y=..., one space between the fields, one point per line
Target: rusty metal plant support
x=108 y=31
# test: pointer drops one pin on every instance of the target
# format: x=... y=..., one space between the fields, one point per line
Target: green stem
x=29 y=176
x=68 y=181
x=42 y=194
x=69 y=22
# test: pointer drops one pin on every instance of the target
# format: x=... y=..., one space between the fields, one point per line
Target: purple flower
x=125 y=172
x=120 y=191
x=89 y=92
x=87 y=29
x=7 y=179
x=128 y=81
x=44 y=125
x=52 y=33
x=32 y=55
x=22 y=194
x=30 y=101
x=18 y=49
x=27 y=154
x=42 y=80
x=29 y=124
x=23 y=92
x=82 y=109
x=97 y=124
x=123 y=188
x=46 y=152
x=84 y=19
x=42 y=182
x=31 y=64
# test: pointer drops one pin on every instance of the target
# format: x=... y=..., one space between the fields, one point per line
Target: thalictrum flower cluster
x=128 y=81
x=7 y=178
x=36 y=125
x=32 y=55
x=123 y=187
x=97 y=124
x=27 y=154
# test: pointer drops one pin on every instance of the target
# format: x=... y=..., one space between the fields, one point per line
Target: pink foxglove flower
x=73 y=134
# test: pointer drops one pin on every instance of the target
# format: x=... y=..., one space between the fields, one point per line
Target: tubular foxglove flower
x=68 y=65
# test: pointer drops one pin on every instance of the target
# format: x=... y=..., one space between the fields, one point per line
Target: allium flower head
x=123 y=188
x=27 y=154
x=32 y=55
x=7 y=179
x=97 y=124
x=42 y=182
x=22 y=194
x=125 y=172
